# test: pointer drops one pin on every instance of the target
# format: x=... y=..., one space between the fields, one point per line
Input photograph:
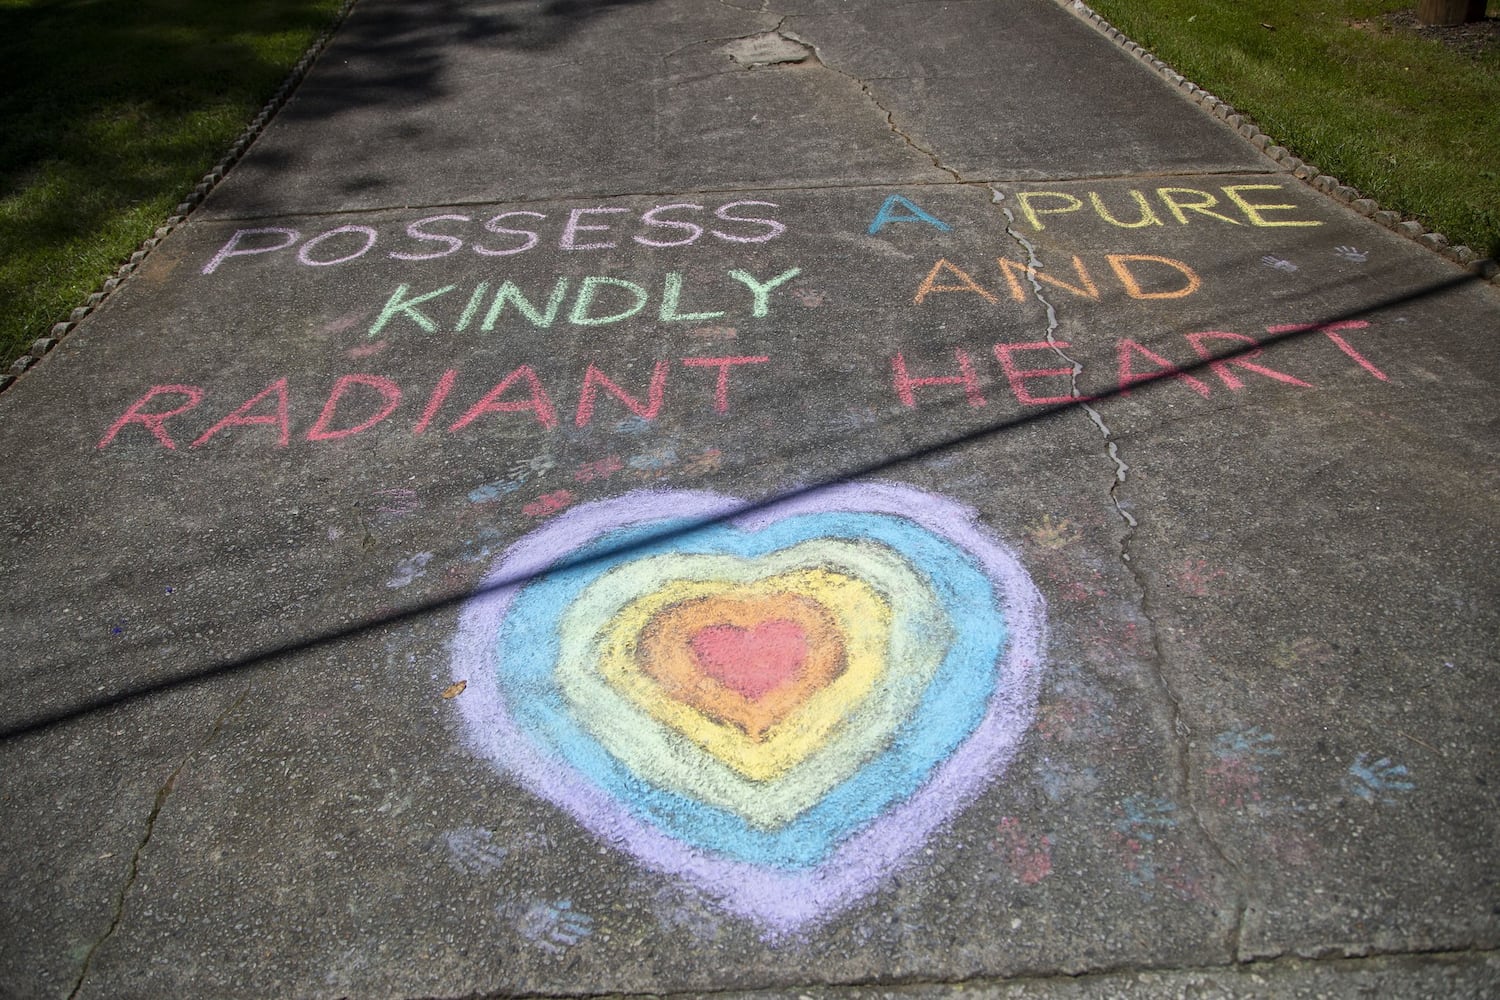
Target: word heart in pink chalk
x=752 y=661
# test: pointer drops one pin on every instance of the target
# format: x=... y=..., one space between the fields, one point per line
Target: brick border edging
x=42 y=345
x=1482 y=267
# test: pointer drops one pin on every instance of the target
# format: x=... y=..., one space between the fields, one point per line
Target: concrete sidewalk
x=833 y=499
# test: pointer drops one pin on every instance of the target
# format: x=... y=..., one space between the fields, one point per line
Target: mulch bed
x=1475 y=39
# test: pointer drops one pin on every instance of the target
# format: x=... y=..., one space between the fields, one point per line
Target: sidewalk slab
x=1123 y=507
x=422 y=103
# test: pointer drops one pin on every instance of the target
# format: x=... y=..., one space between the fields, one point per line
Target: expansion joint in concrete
x=1101 y=981
x=162 y=794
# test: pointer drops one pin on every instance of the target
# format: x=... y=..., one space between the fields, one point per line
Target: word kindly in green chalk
x=596 y=300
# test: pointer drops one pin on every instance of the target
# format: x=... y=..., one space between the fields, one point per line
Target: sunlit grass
x=110 y=112
x=1405 y=119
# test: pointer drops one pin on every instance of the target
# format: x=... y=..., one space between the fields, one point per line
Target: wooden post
x=1444 y=13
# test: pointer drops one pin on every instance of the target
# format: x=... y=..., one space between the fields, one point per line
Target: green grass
x=1406 y=120
x=110 y=112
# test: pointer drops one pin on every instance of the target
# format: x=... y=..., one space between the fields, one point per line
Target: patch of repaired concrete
x=769 y=48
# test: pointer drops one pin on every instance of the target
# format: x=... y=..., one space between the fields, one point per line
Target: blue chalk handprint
x=1380 y=781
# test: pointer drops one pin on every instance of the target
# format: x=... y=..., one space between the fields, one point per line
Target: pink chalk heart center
x=752 y=661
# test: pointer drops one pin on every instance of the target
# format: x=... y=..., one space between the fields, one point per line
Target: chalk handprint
x=1377 y=782
x=555 y=926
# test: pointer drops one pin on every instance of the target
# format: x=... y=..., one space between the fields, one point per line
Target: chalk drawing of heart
x=779 y=704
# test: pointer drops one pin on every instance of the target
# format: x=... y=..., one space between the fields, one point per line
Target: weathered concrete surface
x=1464 y=975
x=1261 y=742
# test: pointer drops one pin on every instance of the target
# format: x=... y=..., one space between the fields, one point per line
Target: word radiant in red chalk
x=601 y=228
x=1135 y=364
x=596 y=301
x=356 y=403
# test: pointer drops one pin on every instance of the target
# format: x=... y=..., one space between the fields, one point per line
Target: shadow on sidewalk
x=267 y=656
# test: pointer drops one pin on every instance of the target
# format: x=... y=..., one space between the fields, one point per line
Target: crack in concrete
x=869 y=93
x=1181 y=732
x=1182 y=740
x=162 y=794
x=671 y=54
x=1033 y=264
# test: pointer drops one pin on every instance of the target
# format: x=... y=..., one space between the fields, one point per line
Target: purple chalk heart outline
x=780 y=900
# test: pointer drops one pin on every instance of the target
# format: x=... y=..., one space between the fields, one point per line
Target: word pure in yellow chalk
x=1237 y=205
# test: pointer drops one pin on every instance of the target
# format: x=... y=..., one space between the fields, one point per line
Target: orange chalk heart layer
x=745 y=661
